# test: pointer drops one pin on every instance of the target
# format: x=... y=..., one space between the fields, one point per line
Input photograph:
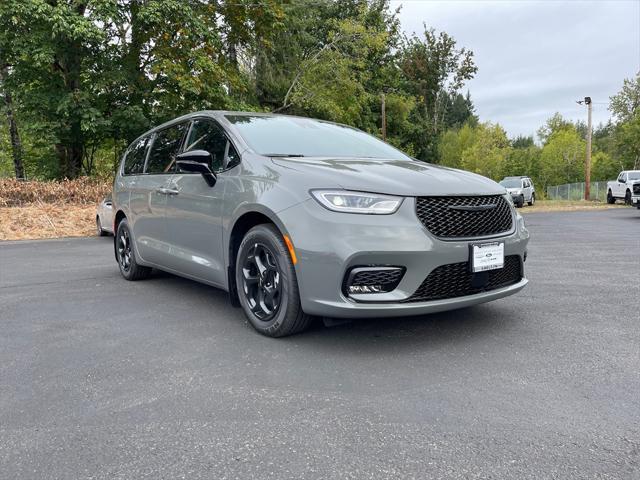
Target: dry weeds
x=39 y=209
x=47 y=221
x=81 y=191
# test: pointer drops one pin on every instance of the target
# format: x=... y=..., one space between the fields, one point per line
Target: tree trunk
x=16 y=144
x=70 y=149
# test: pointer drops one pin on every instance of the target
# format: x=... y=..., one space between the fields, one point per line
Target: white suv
x=521 y=190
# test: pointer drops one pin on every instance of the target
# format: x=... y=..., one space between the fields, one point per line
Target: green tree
x=604 y=167
x=489 y=152
x=562 y=157
x=625 y=104
x=433 y=70
x=453 y=143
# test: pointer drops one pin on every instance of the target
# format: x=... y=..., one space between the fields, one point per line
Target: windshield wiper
x=283 y=155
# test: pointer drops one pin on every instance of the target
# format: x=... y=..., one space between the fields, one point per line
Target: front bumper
x=635 y=200
x=329 y=244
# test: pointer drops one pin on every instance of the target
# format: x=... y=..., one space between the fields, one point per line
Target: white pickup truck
x=626 y=187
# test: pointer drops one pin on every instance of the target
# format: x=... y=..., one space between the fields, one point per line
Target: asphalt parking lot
x=103 y=378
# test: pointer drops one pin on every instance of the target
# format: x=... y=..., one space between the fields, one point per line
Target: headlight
x=521 y=223
x=518 y=192
x=357 y=202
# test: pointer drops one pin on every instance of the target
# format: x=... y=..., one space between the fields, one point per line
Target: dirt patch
x=47 y=221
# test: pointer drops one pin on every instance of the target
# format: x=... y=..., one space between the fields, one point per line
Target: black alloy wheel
x=261 y=282
x=124 y=249
x=267 y=284
x=126 y=255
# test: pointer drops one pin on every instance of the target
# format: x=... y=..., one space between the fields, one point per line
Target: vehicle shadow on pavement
x=380 y=335
x=462 y=326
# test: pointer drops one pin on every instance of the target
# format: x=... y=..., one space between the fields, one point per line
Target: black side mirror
x=197 y=161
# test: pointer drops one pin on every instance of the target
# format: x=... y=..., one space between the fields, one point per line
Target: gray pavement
x=103 y=378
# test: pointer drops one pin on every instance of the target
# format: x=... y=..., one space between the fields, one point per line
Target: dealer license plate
x=487 y=256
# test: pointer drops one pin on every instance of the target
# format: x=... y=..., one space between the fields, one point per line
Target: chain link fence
x=575 y=191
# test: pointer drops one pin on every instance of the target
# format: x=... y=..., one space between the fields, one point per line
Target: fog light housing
x=371 y=280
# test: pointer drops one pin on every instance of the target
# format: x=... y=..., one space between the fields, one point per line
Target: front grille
x=636 y=188
x=456 y=280
x=446 y=217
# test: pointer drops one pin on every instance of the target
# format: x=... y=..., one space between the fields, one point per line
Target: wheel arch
x=244 y=221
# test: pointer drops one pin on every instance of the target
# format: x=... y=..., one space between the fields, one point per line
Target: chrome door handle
x=167 y=191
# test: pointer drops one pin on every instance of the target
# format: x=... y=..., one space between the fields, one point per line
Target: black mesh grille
x=456 y=280
x=636 y=188
x=377 y=277
x=446 y=216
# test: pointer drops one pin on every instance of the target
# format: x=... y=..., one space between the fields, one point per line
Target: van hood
x=393 y=177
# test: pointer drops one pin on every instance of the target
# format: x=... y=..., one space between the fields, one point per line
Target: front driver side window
x=207 y=135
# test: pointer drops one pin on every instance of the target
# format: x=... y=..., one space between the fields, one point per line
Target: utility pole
x=587 y=167
x=384 y=119
x=587 y=163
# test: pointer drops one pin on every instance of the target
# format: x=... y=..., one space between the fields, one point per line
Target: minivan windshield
x=512 y=183
x=286 y=136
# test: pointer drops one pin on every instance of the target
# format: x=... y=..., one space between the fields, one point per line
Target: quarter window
x=134 y=160
x=165 y=147
x=209 y=136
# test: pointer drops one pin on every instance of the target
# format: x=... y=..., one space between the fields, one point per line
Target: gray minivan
x=297 y=218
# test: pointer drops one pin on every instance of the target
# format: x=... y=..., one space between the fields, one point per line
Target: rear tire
x=533 y=200
x=267 y=284
x=126 y=254
x=610 y=198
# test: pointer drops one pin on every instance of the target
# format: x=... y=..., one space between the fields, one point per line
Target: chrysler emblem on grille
x=473 y=208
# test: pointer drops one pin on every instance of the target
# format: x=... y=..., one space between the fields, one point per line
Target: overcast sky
x=535 y=58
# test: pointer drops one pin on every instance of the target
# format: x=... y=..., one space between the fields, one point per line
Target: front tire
x=627 y=197
x=126 y=254
x=610 y=198
x=520 y=202
x=267 y=284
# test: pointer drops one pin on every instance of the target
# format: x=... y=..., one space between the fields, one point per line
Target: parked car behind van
x=298 y=218
x=104 y=217
x=521 y=190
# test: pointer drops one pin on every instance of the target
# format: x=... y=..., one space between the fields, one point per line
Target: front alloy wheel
x=261 y=282
x=267 y=284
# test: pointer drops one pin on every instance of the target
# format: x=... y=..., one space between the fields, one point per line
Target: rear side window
x=134 y=161
x=208 y=135
x=162 y=157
